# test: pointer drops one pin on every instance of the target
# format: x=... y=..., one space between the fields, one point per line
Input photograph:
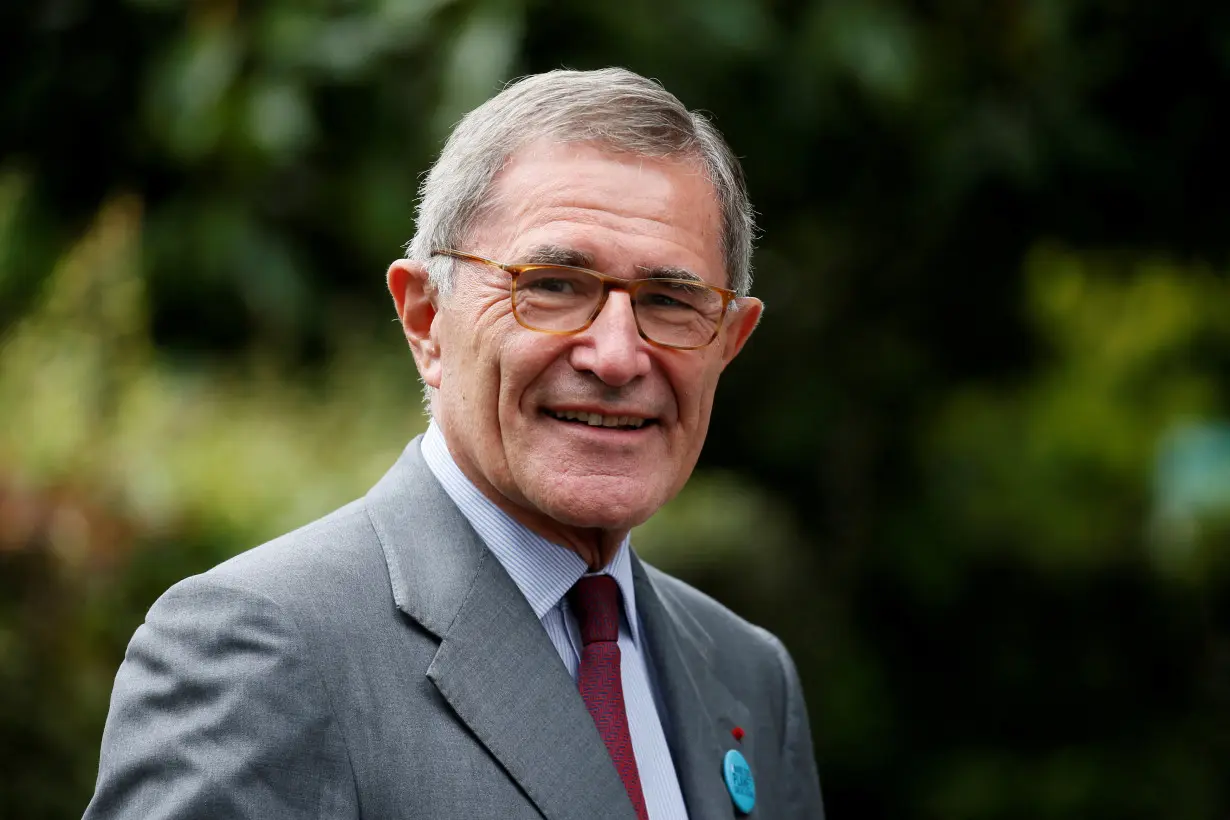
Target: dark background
x=974 y=467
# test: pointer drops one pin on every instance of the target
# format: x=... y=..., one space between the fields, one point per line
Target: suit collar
x=498 y=670
x=700 y=711
x=432 y=553
x=495 y=665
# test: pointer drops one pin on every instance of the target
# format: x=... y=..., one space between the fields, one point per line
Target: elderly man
x=475 y=637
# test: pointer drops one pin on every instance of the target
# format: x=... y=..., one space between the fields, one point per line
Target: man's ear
x=741 y=321
x=417 y=302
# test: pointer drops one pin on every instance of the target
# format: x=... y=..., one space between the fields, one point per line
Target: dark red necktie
x=595 y=602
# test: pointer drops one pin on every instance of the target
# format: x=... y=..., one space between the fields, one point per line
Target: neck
x=598 y=549
x=596 y=546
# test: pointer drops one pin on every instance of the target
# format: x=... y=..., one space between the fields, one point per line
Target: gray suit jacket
x=380 y=663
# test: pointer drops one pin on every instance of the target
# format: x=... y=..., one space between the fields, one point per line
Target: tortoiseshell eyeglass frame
x=609 y=283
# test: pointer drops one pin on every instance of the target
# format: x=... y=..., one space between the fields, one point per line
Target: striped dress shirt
x=544 y=572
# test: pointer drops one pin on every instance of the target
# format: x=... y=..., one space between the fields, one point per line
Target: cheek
x=527 y=362
x=471 y=378
x=694 y=384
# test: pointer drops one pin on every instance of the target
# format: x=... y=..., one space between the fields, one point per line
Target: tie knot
x=595 y=601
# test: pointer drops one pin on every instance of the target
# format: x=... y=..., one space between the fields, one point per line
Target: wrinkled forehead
x=590 y=206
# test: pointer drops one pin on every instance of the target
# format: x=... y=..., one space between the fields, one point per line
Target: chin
x=599 y=504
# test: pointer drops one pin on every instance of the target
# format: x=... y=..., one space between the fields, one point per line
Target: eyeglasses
x=677 y=313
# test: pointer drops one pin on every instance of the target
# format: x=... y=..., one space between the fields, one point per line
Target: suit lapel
x=700 y=710
x=495 y=665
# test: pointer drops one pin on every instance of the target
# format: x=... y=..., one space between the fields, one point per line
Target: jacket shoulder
x=724 y=632
x=338 y=547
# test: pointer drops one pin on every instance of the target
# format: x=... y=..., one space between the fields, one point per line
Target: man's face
x=504 y=391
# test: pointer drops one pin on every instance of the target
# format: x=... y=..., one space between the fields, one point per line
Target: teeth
x=599 y=420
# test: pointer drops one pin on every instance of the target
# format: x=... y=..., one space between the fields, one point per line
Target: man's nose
x=611 y=348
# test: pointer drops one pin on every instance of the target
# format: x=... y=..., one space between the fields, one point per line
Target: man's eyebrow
x=669 y=272
x=559 y=255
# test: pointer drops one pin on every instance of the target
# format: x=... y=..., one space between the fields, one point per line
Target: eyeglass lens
x=668 y=312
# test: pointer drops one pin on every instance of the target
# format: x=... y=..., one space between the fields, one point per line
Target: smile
x=600 y=420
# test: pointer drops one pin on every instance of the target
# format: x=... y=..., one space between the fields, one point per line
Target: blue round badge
x=739 y=781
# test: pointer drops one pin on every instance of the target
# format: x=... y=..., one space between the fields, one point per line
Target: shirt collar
x=542 y=570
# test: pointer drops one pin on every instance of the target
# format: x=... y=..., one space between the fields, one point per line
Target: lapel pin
x=739 y=781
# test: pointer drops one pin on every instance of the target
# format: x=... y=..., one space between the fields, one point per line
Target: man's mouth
x=601 y=420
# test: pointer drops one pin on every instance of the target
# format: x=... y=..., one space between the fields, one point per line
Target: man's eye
x=675 y=296
x=661 y=300
x=562 y=286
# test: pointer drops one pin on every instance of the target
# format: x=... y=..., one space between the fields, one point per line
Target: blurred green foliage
x=979 y=442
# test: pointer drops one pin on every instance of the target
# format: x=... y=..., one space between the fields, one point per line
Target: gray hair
x=612 y=107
